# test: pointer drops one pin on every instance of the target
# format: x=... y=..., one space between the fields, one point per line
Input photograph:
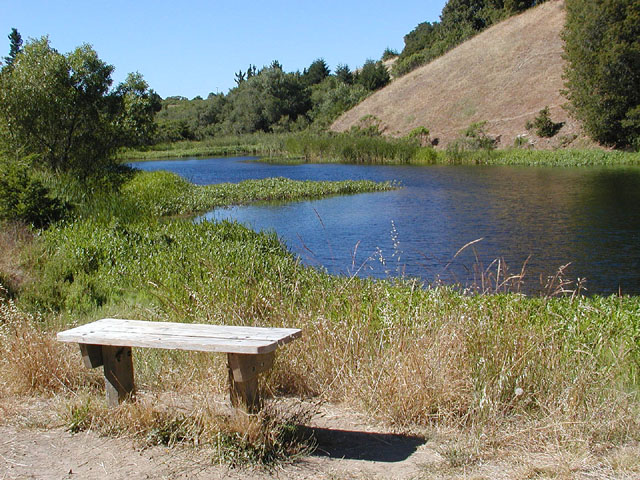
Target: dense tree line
x=460 y=20
x=602 y=48
x=272 y=100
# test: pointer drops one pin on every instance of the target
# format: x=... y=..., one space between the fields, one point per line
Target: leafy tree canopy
x=602 y=48
x=373 y=75
x=344 y=74
x=61 y=108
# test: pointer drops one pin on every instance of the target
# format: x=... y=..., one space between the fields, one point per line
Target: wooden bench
x=108 y=342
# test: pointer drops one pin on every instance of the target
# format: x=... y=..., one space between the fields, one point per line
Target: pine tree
x=15 y=45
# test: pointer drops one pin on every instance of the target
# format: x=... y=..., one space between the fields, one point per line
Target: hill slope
x=504 y=75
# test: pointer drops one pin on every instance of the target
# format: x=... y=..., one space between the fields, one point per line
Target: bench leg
x=91 y=355
x=243 y=378
x=118 y=374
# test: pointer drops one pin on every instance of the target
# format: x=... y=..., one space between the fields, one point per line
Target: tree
x=15 y=45
x=316 y=73
x=344 y=74
x=263 y=99
x=602 y=74
x=61 y=110
x=140 y=104
x=239 y=78
x=373 y=75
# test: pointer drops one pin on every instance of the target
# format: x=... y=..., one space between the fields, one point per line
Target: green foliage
x=543 y=125
x=344 y=74
x=118 y=241
x=316 y=72
x=15 y=45
x=60 y=108
x=424 y=156
x=547 y=158
x=372 y=75
x=24 y=198
x=602 y=48
x=460 y=20
x=263 y=99
x=389 y=53
x=350 y=148
x=474 y=138
x=421 y=134
x=139 y=108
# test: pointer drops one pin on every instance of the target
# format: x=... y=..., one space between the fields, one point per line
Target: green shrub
x=425 y=155
x=25 y=198
x=474 y=138
x=543 y=125
x=421 y=134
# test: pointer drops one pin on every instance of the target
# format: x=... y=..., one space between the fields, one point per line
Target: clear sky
x=192 y=48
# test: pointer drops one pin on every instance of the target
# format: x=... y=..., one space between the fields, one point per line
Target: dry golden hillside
x=505 y=76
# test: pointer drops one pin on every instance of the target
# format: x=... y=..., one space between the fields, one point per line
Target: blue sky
x=192 y=48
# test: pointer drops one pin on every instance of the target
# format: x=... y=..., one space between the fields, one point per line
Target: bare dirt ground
x=34 y=444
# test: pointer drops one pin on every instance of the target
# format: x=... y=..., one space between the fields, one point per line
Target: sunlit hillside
x=504 y=76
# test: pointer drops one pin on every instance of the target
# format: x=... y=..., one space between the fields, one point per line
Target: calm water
x=586 y=217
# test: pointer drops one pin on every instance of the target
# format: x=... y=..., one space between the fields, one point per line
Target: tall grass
x=554 y=158
x=350 y=148
x=510 y=368
x=249 y=144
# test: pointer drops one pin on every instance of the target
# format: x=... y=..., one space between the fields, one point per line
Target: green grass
x=347 y=148
x=250 y=144
x=554 y=158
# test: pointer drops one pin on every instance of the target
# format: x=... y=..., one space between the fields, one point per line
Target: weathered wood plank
x=194 y=329
x=118 y=374
x=181 y=336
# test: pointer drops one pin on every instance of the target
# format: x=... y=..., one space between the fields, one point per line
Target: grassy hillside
x=504 y=76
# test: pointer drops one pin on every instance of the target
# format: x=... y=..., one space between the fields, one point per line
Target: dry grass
x=14 y=238
x=505 y=75
x=483 y=369
x=276 y=434
x=32 y=361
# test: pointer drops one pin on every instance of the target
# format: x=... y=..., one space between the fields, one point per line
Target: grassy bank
x=250 y=144
x=502 y=371
x=347 y=148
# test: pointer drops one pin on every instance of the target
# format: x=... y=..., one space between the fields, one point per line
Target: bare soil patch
x=34 y=444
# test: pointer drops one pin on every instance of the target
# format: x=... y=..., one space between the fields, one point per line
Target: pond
x=532 y=218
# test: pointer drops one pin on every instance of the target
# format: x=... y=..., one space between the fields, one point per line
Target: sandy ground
x=31 y=447
x=35 y=445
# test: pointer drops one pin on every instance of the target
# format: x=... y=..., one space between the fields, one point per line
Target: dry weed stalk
x=32 y=361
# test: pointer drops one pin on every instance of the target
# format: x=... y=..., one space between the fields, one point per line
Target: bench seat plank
x=180 y=336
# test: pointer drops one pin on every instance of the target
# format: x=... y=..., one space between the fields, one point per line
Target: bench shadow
x=354 y=445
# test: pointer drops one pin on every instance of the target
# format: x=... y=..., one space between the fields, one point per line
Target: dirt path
x=35 y=445
x=347 y=448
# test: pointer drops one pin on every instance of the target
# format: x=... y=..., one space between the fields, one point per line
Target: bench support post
x=243 y=378
x=91 y=355
x=118 y=373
